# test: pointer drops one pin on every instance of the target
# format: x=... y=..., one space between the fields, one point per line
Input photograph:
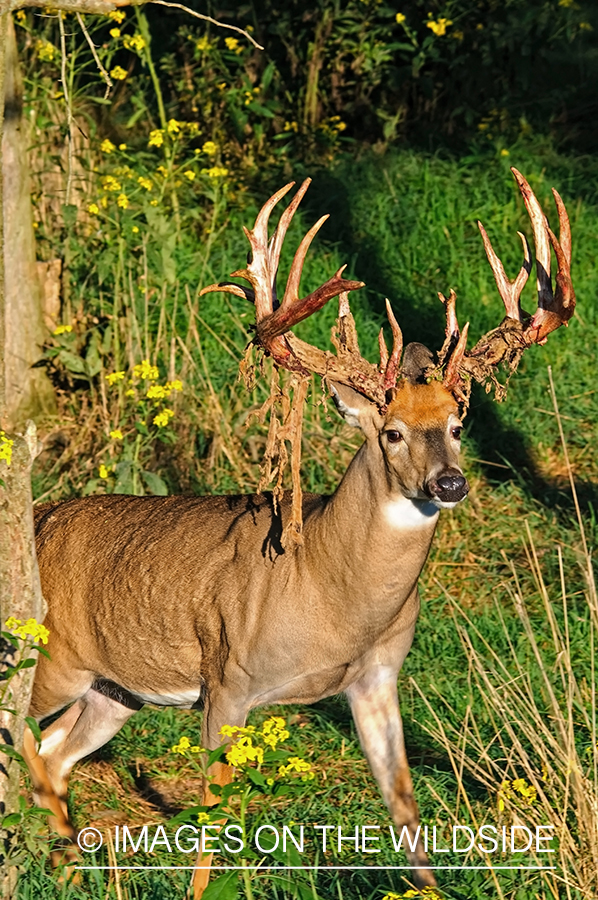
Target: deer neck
x=368 y=536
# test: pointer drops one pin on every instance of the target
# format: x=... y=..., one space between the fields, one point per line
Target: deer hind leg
x=218 y=774
x=86 y=726
x=375 y=707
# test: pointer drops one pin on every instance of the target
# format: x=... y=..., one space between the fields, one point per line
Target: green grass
x=405 y=223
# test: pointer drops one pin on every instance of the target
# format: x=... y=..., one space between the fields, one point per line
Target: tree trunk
x=21 y=597
x=28 y=392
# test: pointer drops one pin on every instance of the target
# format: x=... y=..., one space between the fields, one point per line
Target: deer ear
x=355 y=409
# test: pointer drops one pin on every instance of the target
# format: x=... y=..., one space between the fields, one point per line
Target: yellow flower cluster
x=6 y=445
x=107 y=146
x=203 y=44
x=427 y=892
x=122 y=201
x=202 y=818
x=439 y=27
x=118 y=73
x=110 y=183
x=63 y=329
x=116 y=434
x=117 y=16
x=103 y=471
x=159 y=392
x=114 y=377
x=184 y=746
x=400 y=18
x=209 y=148
x=146 y=371
x=244 y=751
x=163 y=418
x=215 y=172
x=296 y=764
x=31 y=628
x=93 y=208
x=156 y=138
x=145 y=183
x=45 y=50
x=173 y=127
x=233 y=44
x=134 y=42
x=510 y=789
x=274 y=731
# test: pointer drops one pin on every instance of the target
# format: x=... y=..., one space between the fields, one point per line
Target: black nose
x=450 y=488
x=451 y=483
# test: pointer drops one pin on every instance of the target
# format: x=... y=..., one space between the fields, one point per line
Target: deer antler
x=274 y=320
x=518 y=330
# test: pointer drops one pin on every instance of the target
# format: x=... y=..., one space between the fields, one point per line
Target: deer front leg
x=375 y=707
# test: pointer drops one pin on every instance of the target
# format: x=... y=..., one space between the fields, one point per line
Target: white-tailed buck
x=193 y=602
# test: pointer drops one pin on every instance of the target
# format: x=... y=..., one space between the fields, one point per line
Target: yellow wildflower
x=145 y=183
x=110 y=183
x=116 y=435
x=210 y=148
x=176 y=385
x=31 y=628
x=6 y=445
x=173 y=126
x=153 y=202
x=163 y=171
x=122 y=146
x=115 y=32
x=21 y=16
x=63 y=329
x=457 y=35
x=182 y=746
x=215 y=172
x=233 y=44
x=163 y=418
x=104 y=201
x=135 y=229
x=107 y=146
x=439 y=27
x=504 y=152
x=145 y=370
x=156 y=138
x=585 y=26
x=202 y=818
x=130 y=393
x=157 y=392
x=189 y=174
x=118 y=73
x=117 y=16
x=567 y=4
x=45 y=50
x=134 y=42
x=114 y=377
x=123 y=201
x=296 y=764
x=400 y=18
x=274 y=731
x=103 y=471
x=291 y=126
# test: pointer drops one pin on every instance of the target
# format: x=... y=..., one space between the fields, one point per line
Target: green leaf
x=124 y=478
x=256 y=777
x=155 y=484
x=34 y=727
x=72 y=362
x=10 y=820
x=10 y=751
x=225 y=887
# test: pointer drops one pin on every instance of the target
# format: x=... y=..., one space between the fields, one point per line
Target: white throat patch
x=405 y=514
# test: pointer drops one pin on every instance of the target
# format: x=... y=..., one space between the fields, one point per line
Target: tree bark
x=28 y=391
x=20 y=596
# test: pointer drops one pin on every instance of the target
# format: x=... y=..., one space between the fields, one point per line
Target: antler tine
x=291 y=293
x=541 y=240
x=451 y=330
x=564 y=226
x=452 y=375
x=281 y=230
x=391 y=370
x=510 y=291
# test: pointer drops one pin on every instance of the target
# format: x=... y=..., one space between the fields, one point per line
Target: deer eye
x=456 y=432
x=393 y=437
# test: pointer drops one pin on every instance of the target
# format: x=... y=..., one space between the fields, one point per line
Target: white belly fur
x=182 y=699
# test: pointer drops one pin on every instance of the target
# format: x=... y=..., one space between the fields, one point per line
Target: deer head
x=411 y=402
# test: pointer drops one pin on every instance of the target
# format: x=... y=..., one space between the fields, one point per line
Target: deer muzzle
x=449 y=488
